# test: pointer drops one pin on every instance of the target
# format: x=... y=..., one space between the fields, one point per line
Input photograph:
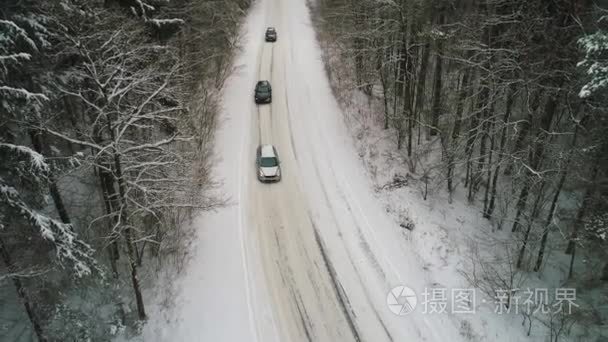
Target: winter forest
x=108 y=110
x=106 y=113
x=499 y=103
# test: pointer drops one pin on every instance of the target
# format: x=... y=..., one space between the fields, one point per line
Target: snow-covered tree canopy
x=595 y=63
x=102 y=158
x=134 y=109
x=16 y=49
x=23 y=177
x=24 y=172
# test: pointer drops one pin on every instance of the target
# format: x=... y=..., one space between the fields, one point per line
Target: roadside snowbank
x=214 y=299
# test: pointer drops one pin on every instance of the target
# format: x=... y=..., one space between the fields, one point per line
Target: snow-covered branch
x=22 y=93
x=35 y=158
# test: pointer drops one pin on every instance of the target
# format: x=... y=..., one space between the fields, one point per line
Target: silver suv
x=268 y=164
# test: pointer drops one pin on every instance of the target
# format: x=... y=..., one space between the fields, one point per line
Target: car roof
x=267 y=151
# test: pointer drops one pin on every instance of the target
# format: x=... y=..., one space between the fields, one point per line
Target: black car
x=271 y=34
x=263 y=92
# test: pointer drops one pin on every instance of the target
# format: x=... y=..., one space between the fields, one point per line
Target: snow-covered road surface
x=313 y=257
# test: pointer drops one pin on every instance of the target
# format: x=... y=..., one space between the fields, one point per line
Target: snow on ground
x=314 y=256
x=442 y=232
x=214 y=294
x=445 y=233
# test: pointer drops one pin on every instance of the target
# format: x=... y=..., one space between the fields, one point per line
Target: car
x=267 y=164
x=271 y=34
x=263 y=92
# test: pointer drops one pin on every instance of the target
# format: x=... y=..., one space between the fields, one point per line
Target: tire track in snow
x=346 y=192
x=350 y=257
x=293 y=149
x=257 y=108
x=370 y=255
x=338 y=289
x=303 y=316
x=382 y=328
x=253 y=323
x=290 y=242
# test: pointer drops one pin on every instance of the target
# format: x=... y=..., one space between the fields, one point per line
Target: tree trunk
x=503 y=140
x=76 y=122
x=535 y=209
x=543 y=240
x=141 y=312
x=521 y=205
x=489 y=172
x=358 y=47
x=384 y=82
x=38 y=145
x=437 y=85
x=560 y=185
x=421 y=85
x=468 y=150
x=524 y=129
x=571 y=268
x=396 y=87
x=108 y=192
x=582 y=211
x=462 y=95
x=409 y=88
x=410 y=123
x=437 y=79
x=478 y=118
x=404 y=96
x=58 y=201
x=487 y=128
x=536 y=155
x=12 y=270
x=128 y=232
x=483 y=114
x=399 y=127
x=139 y=254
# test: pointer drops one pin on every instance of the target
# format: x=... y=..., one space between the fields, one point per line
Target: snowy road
x=326 y=269
x=307 y=298
x=313 y=257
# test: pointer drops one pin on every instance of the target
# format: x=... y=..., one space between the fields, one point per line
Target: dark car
x=263 y=92
x=271 y=34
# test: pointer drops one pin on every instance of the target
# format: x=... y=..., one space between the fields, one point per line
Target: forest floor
x=450 y=236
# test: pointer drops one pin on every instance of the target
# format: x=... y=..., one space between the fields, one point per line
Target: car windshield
x=268 y=162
